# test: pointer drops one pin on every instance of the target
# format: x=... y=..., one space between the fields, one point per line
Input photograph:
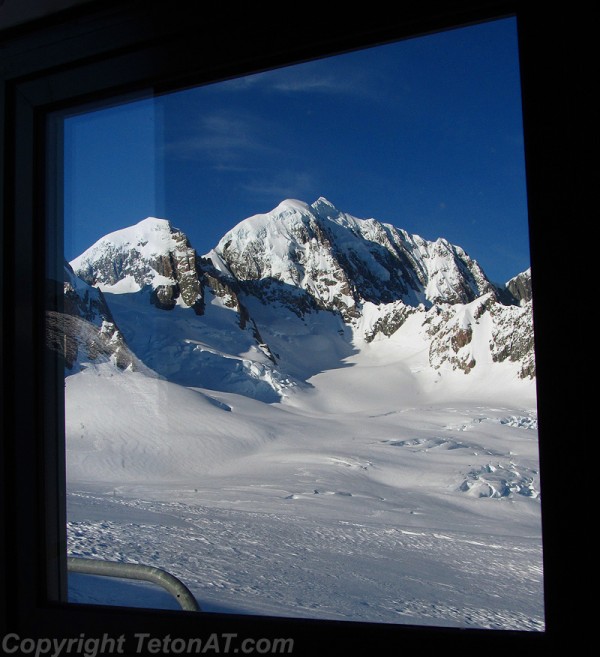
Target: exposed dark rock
x=164 y=296
x=389 y=323
x=520 y=287
x=80 y=325
x=513 y=337
x=461 y=338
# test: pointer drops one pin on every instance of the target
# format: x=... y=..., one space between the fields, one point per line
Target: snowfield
x=382 y=491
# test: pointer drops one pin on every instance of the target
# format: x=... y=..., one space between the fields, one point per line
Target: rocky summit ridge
x=341 y=262
x=300 y=261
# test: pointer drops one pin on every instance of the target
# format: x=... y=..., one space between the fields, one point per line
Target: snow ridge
x=274 y=270
x=126 y=249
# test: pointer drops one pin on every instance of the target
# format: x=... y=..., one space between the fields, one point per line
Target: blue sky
x=425 y=134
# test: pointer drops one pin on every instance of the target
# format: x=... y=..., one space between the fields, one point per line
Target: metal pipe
x=136 y=571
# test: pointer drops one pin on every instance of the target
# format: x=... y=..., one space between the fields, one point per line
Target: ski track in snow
x=264 y=563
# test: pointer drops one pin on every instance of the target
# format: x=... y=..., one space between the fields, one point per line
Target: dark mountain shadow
x=286 y=338
x=304 y=335
x=214 y=352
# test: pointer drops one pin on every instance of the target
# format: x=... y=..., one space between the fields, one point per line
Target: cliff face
x=520 y=287
x=84 y=327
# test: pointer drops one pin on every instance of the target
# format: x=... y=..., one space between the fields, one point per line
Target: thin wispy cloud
x=291 y=184
x=222 y=140
x=328 y=84
x=306 y=78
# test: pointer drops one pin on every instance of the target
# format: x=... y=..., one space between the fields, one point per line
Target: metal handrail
x=136 y=571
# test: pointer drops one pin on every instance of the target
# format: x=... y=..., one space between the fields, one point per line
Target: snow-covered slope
x=209 y=351
x=207 y=338
x=374 y=495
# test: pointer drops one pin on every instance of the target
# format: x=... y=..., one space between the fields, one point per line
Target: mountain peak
x=323 y=204
x=290 y=204
x=520 y=286
x=150 y=253
x=154 y=224
x=340 y=261
x=149 y=237
x=322 y=207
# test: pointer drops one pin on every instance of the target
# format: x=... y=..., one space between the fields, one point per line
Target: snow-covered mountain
x=151 y=253
x=398 y=470
x=340 y=261
x=296 y=278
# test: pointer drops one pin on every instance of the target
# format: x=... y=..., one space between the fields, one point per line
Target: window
x=212 y=384
x=33 y=466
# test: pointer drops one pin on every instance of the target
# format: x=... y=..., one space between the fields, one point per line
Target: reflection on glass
x=295 y=409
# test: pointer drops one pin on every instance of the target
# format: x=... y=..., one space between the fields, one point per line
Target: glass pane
x=299 y=366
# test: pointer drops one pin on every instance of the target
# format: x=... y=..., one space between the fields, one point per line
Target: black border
x=103 y=49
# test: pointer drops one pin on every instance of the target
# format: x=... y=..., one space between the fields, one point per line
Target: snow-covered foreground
x=381 y=493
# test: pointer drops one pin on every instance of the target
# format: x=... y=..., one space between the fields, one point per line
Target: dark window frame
x=102 y=50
